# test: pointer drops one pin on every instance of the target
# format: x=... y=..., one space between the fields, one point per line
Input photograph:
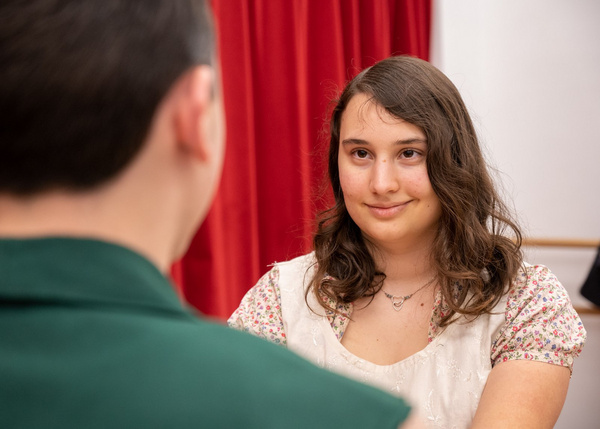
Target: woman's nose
x=384 y=177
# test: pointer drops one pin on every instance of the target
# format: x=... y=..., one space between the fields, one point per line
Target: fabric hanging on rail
x=282 y=64
x=591 y=287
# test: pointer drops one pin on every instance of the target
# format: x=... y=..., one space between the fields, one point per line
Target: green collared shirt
x=92 y=335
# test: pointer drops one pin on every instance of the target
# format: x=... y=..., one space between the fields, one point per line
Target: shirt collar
x=58 y=269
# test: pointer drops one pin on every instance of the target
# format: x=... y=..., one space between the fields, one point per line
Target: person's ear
x=193 y=101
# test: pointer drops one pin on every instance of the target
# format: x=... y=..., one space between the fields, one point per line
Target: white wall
x=529 y=71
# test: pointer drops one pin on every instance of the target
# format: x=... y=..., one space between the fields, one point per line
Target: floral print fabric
x=541 y=323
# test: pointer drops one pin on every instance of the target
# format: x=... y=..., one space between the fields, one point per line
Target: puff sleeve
x=541 y=323
x=259 y=312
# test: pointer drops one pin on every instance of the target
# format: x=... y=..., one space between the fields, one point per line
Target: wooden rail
x=586 y=310
x=560 y=242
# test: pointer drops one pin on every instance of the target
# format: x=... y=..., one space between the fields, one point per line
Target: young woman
x=417 y=283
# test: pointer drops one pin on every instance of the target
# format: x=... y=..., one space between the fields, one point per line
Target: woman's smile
x=388 y=210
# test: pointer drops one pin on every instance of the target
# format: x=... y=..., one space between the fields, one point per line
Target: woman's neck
x=404 y=267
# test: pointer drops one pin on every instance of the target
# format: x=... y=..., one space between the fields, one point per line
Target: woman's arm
x=522 y=394
x=532 y=356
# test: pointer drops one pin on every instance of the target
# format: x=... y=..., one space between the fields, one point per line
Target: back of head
x=81 y=80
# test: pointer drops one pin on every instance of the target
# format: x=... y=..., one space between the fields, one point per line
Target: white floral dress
x=534 y=321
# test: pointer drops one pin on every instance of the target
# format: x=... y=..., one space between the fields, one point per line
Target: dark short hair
x=80 y=81
x=470 y=238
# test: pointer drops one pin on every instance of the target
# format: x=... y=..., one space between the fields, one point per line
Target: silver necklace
x=398 y=301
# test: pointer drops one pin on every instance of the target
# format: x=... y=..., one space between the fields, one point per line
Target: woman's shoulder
x=537 y=281
x=295 y=271
x=536 y=289
x=307 y=260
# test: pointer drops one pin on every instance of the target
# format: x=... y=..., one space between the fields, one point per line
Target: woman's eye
x=360 y=153
x=409 y=153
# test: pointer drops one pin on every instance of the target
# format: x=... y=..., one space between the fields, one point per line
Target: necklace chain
x=398 y=301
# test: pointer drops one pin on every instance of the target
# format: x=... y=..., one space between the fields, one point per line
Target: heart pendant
x=398 y=303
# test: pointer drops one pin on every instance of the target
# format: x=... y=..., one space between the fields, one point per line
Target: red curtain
x=283 y=62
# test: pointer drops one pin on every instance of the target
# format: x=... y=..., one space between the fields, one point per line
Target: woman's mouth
x=386 y=210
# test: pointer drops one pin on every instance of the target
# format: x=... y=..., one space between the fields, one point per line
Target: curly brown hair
x=471 y=248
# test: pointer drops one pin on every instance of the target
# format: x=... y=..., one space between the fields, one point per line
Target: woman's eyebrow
x=355 y=142
x=362 y=142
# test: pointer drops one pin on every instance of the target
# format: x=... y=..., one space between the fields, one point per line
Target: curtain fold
x=283 y=62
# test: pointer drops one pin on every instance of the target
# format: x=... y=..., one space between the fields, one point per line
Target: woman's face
x=383 y=175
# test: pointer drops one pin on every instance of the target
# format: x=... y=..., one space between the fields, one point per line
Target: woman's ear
x=193 y=101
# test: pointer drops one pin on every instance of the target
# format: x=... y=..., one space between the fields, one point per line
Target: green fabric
x=92 y=335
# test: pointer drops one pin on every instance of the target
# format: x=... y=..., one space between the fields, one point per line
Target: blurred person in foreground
x=111 y=146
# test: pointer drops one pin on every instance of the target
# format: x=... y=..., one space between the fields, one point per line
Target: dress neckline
x=433 y=340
